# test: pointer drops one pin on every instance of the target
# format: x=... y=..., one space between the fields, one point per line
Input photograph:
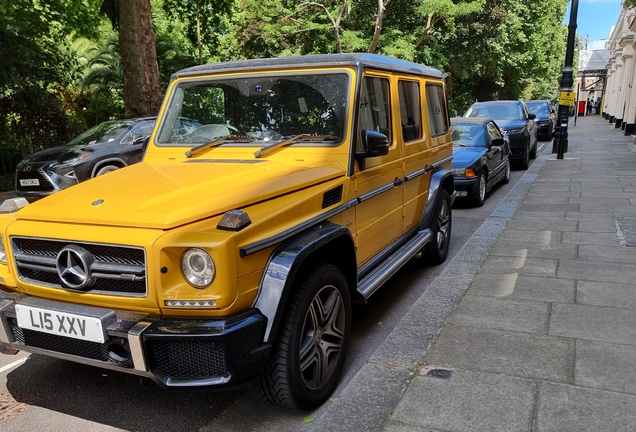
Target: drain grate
x=627 y=231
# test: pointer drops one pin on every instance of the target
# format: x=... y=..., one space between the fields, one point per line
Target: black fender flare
x=442 y=178
x=282 y=267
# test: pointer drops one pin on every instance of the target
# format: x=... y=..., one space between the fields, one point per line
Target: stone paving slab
x=597 y=271
x=590 y=216
x=567 y=408
x=602 y=238
x=613 y=254
x=534 y=250
x=495 y=313
x=593 y=323
x=468 y=401
x=518 y=223
x=555 y=215
x=521 y=265
x=511 y=353
x=550 y=207
x=605 y=366
x=546 y=237
x=606 y=294
x=605 y=226
x=513 y=286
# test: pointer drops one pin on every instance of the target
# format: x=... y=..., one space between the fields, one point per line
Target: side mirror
x=497 y=142
x=137 y=139
x=144 y=145
x=375 y=144
x=532 y=116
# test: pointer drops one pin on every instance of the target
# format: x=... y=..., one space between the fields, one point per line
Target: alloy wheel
x=443 y=225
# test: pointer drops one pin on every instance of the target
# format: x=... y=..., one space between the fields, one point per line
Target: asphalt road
x=44 y=394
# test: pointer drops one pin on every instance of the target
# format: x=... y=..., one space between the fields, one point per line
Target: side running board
x=375 y=278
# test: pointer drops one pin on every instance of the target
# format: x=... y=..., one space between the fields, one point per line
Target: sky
x=595 y=19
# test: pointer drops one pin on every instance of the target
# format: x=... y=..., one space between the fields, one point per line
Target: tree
x=133 y=20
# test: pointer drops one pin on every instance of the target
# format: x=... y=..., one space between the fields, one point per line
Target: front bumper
x=175 y=352
x=467 y=187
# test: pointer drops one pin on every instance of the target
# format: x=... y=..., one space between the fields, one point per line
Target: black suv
x=104 y=148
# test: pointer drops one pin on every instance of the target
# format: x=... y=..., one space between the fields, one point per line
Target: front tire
x=506 y=178
x=106 y=169
x=308 y=356
x=481 y=193
x=437 y=248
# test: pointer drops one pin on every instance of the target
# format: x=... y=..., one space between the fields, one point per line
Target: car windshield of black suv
x=468 y=135
x=271 y=108
x=540 y=109
x=103 y=132
x=496 y=112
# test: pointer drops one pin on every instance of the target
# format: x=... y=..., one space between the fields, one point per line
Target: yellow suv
x=234 y=250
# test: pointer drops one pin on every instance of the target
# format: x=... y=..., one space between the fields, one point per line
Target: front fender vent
x=332 y=197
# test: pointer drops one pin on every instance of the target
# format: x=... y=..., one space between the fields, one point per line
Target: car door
x=379 y=186
x=531 y=125
x=495 y=153
x=132 y=144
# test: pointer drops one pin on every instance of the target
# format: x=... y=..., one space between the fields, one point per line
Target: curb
x=372 y=395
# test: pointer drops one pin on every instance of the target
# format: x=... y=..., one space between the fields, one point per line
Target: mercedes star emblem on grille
x=74 y=266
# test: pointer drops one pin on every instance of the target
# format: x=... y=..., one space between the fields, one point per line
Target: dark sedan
x=516 y=122
x=104 y=148
x=545 y=118
x=481 y=157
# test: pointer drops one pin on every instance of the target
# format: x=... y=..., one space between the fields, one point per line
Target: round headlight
x=197 y=267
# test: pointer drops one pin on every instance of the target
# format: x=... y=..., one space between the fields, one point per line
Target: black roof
x=375 y=61
x=470 y=120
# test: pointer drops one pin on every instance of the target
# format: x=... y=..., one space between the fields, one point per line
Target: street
x=40 y=393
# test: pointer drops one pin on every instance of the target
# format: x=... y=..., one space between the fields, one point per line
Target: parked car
x=481 y=157
x=516 y=122
x=546 y=118
x=104 y=148
x=234 y=252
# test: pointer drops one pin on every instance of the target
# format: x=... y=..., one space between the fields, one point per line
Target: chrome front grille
x=115 y=270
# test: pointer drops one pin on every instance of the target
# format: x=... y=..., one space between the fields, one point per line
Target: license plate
x=29 y=182
x=60 y=323
x=462 y=193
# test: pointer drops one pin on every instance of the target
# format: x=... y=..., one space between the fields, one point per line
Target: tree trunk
x=142 y=91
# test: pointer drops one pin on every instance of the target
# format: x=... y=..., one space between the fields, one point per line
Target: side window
x=143 y=129
x=437 y=117
x=374 y=107
x=409 y=95
x=492 y=132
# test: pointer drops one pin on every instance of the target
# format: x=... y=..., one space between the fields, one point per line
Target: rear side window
x=374 y=106
x=409 y=95
x=436 y=103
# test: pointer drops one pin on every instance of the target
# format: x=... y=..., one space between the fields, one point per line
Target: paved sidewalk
x=545 y=337
x=532 y=325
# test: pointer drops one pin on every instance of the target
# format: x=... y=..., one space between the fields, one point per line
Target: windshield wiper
x=293 y=139
x=217 y=142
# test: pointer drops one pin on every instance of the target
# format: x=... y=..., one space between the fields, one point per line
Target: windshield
x=261 y=108
x=496 y=111
x=538 y=108
x=468 y=135
x=103 y=132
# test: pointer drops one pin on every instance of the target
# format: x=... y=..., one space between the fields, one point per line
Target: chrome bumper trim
x=136 y=347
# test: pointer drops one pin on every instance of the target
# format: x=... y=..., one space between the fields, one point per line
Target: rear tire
x=437 y=249
x=306 y=361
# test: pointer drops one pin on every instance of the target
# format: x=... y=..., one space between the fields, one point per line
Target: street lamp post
x=560 y=144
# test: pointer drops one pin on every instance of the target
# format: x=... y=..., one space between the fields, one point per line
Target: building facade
x=619 y=103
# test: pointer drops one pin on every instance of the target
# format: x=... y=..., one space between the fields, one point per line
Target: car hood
x=167 y=194
x=463 y=157
x=510 y=124
x=55 y=154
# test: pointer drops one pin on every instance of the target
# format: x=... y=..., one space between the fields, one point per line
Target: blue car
x=516 y=122
x=481 y=157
